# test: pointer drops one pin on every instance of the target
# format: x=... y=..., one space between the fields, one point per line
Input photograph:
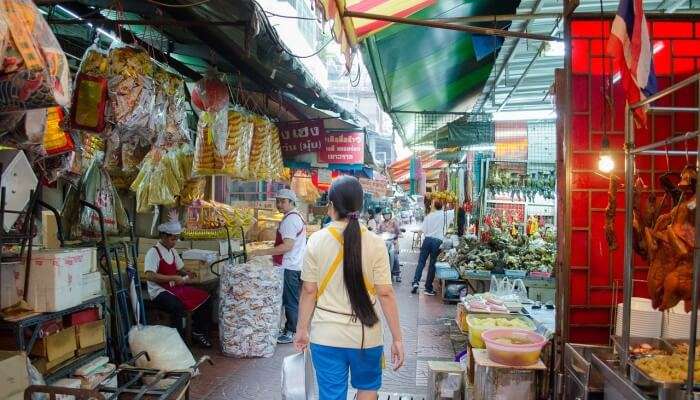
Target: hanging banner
x=343 y=148
x=301 y=137
x=376 y=188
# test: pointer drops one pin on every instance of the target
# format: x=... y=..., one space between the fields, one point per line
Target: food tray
x=475 y=333
x=657 y=343
x=473 y=273
x=540 y=274
x=577 y=358
x=662 y=390
x=515 y=273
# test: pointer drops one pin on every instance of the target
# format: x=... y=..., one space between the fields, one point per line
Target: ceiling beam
x=525 y=71
x=498 y=17
x=154 y=22
x=502 y=69
x=673 y=6
x=454 y=27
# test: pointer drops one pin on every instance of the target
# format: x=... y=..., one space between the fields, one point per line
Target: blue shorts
x=332 y=365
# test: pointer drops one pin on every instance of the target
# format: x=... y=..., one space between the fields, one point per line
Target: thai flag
x=630 y=46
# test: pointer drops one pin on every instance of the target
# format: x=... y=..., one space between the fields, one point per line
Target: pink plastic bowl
x=513 y=354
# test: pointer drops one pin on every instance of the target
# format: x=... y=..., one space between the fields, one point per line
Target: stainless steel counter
x=617 y=386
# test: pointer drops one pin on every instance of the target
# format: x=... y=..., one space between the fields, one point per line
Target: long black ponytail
x=347 y=196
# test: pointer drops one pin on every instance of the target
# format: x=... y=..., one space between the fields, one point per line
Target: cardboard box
x=55 y=279
x=56 y=346
x=44 y=366
x=49 y=230
x=90 y=334
x=201 y=269
x=147 y=243
x=92 y=285
x=14 y=377
x=82 y=317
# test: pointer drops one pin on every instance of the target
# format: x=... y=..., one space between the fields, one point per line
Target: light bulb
x=606 y=163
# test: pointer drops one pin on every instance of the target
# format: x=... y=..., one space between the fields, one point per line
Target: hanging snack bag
x=97 y=189
x=169 y=116
x=56 y=140
x=131 y=92
x=34 y=72
x=210 y=99
x=89 y=103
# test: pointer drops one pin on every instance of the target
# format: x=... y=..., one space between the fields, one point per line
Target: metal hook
x=687 y=157
x=668 y=162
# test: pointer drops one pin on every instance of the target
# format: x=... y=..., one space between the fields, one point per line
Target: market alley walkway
x=426 y=323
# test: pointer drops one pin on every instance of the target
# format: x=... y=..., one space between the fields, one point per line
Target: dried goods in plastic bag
x=97 y=189
x=161 y=177
x=249 y=313
x=192 y=190
x=210 y=99
x=131 y=91
x=88 y=108
x=165 y=348
x=208 y=160
x=240 y=126
x=56 y=140
x=34 y=72
x=169 y=116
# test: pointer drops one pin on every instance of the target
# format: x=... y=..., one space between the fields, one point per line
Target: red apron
x=277 y=260
x=190 y=297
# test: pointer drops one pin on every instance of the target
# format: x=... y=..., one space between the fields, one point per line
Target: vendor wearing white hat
x=288 y=253
x=166 y=285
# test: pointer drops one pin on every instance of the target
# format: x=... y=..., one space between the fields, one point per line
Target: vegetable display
x=500 y=250
x=520 y=186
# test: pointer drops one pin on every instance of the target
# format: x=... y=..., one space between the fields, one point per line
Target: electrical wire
x=283 y=47
x=199 y=3
x=270 y=13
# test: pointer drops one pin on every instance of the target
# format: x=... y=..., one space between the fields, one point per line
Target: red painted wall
x=595 y=272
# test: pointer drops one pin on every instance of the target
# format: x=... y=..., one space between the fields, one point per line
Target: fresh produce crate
x=515 y=273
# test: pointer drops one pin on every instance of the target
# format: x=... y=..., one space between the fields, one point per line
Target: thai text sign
x=301 y=136
x=343 y=148
x=376 y=188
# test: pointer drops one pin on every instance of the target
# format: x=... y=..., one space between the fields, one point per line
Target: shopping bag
x=299 y=377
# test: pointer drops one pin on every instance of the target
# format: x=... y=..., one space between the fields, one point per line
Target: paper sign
x=301 y=136
x=343 y=148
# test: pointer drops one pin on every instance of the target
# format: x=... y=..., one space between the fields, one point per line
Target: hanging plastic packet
x=56 y=140
x=34 y=72
x=97 y=189
x=88 y=108
x=131 y=91
x=210 y=98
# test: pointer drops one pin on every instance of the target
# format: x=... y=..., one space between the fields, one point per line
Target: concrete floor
x=427 y=326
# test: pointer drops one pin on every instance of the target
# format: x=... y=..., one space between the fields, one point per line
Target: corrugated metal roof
x=523 y=73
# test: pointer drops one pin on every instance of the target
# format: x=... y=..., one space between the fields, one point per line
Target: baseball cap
x=286 y=194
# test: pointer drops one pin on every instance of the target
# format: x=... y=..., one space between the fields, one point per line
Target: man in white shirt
x=434 y=226
x=167 y=285
x=288 y=253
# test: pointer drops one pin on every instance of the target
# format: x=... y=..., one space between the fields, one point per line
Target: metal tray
x=674 y=342
x=578 y=360
x=657 y=343
x=662 y=390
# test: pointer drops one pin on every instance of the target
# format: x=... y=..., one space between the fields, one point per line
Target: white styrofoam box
x=19 y=180
x=55 y=278
x=12 y=278
x=92 y=285
x=201 y=255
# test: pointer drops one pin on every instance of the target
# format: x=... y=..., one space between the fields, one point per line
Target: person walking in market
x=390 y=226
x=167 y=285
x=434 y=227
x=346 y=270
x=288 y=253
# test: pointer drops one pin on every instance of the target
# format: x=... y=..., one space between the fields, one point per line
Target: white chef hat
x=286 y=194
x=170 y=227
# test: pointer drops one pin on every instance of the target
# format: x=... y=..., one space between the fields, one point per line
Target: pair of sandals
x=201 y=339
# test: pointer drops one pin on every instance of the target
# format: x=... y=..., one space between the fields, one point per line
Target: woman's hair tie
x=354 y=215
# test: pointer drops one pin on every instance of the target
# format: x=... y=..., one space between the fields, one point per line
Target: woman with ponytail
x=346 y=270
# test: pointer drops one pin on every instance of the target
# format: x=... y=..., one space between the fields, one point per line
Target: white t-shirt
x=151 y=262
x=372 y=225
x=290 y=228
x=435 y=224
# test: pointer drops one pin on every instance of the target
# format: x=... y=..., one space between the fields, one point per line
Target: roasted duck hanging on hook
x=667 y=241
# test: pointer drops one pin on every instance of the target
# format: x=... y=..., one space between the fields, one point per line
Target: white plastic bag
x=164 y=346
x=250 y=298
x=299 y=377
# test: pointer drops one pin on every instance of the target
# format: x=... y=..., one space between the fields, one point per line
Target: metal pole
x=667 y=91
x=499 y=17
x=663 y=153
x=627 y=271
x=453 y=27
x=675 y=139
x=696 y=286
